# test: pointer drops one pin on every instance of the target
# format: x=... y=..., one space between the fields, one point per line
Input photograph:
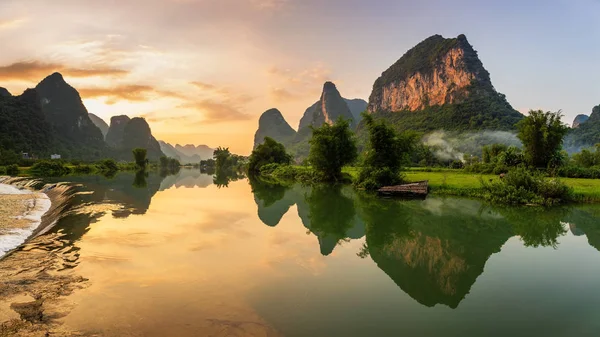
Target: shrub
x=12 y=170
x=378 y=177
x=108 y=165
x=47 y=168
x=83 y=168
x=521 y=186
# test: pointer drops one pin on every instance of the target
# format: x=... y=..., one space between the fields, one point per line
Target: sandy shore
x=36 y=278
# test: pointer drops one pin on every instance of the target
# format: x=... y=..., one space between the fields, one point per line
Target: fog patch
x=454 y=145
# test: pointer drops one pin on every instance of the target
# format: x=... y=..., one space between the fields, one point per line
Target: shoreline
x=49 y=204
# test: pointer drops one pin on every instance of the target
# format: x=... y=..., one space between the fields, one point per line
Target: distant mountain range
x=188 y=154
x=52 y=119
x=585 y=131
x=327 y=109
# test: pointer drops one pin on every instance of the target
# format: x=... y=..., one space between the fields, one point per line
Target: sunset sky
x=202 y=71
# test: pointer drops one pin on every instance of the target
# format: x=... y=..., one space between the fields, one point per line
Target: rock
x=272 y=124
x=138 y=135
x=445 y=77
x=100 y=123
x=328 y=109
x=114 y=135
x=72 y=126
x=200 y=151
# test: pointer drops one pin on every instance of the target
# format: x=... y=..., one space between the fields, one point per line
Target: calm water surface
x=182 y=256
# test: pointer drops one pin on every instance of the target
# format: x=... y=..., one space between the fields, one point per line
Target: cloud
x=35 y=71
x=216 y=112
x=294 y=85
x=282 y=95
x=12 y=23
x=269 y=4
x=128 y=92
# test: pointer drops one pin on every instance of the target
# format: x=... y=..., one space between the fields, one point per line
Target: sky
x=203 y=71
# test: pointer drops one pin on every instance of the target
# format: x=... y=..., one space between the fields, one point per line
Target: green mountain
x=75 y=134
x=125 y=134
x=188 y=154
x=357 y=106
x=23 y=127
x=441 y=84
x=327 y=109
x=272 y=124
x=586 y=134
x=100 y=123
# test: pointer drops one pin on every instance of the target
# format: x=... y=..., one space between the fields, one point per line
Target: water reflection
x=434 y=250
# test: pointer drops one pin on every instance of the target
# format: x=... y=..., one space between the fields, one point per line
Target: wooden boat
x=417 y=189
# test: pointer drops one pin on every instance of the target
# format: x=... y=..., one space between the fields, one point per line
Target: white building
x=55 y=156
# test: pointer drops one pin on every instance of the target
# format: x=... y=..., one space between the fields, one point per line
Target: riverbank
x=35 y=275
x=450 y=182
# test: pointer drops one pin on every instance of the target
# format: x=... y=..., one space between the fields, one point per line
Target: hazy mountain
x=441 y=84
x=114 y=135
x=272 y=124
x=586 y=134
x=170 y=151
x=202 y=151
x=74 y=131
x=125 y=134
x=357 y=106
x=328 y=109
x=100 y=123
x=580 y=119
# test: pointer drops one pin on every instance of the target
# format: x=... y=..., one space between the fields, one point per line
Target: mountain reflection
x=434 y=250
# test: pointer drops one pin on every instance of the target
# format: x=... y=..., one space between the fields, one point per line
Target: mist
x=448 y=145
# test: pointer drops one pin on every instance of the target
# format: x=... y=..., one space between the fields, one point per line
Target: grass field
x=458 y=182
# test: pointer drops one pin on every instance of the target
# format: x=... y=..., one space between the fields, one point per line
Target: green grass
x=460 y=183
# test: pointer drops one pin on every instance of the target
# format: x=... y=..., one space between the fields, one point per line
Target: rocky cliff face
x=100 y=124
x=4 y=92
x=328 y=109
x=437 y=71
x=137 y=134
x=64 y=110
x=584 y=134
x=272 y=124
x=114 y=135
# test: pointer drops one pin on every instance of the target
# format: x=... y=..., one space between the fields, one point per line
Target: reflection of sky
x=200 y=260
x=203 y=71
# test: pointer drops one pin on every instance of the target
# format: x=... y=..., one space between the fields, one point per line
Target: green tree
x=221 y=156
x=542 y=135
x=139 y=155
x=268 y=152
x=387 y=152
x=331 y=148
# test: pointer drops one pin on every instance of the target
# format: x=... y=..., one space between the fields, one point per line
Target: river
x=185 y=255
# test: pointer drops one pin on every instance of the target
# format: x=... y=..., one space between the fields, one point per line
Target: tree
x=331 y=148
x=139 y=155
x=221 y=156
x=267 y=153
x=387 y=152
x=542 y=135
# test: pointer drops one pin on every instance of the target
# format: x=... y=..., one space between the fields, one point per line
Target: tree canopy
x=331 y=148
x=270 y=151
x=542 y=135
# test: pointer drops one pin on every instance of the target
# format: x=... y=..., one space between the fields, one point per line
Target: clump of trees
x=542 y=134
x=225 y=161
x=331 y=148
x=269 y=152
x=140 y=157
x=386 y=153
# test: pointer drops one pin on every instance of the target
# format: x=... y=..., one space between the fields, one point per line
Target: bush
x=12 y=170
x=47 y=168
x=521 y=186
x=108 y=165
x=376 y=178
x=83 y=169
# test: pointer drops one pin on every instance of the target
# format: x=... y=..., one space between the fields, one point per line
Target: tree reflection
x=139 y=180
x=222 y=178
x=537 y=227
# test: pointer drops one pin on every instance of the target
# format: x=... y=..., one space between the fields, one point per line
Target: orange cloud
x=216 y=112
x=35 y=71
x=130 y=92
x=13 y=23
x=282 y=95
